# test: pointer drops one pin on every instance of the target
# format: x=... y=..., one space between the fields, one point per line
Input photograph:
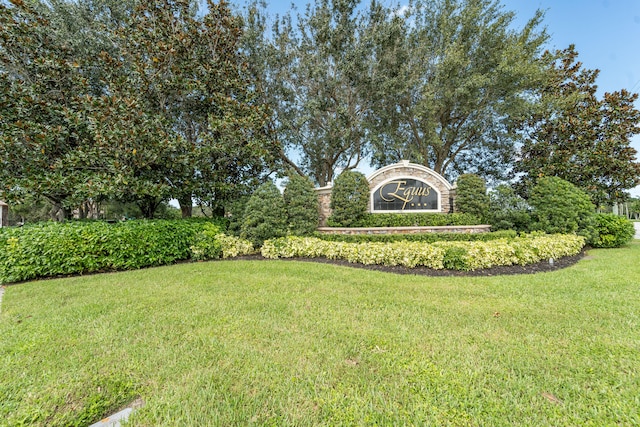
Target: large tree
x=188 y=71
x=580 y=138
x=314 y=67
x=43 y=131
x=452 y=76
x=150 y=101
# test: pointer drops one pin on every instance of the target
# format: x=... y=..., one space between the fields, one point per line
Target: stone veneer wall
x=4 y=215
x=324 y=204
x=403 y=169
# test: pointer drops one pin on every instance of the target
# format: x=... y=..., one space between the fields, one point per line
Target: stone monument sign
x=403 y=187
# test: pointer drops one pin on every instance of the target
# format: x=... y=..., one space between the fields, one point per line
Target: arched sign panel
x=405 y=194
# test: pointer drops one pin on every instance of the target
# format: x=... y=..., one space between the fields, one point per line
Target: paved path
x=637 y=226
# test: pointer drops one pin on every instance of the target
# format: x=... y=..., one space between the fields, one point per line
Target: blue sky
x=606 y=34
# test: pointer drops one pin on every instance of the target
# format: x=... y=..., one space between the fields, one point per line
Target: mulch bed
x=538 y=267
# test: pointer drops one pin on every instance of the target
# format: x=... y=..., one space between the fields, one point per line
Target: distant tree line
x=139 y=102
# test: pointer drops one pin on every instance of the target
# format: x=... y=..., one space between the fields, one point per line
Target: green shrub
x=455 y=258
x=234 y=210
x=51 y=248
x=418 y=237
x=205 y=245
x=349 y=199
x=265 y=216
x=561 y=207
x=612 y=231
x=523 y=250
x=301 y=202
x=471 y=196
x=507 y=210
x=415 y=220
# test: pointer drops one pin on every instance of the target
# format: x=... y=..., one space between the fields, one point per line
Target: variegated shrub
x=526 y=249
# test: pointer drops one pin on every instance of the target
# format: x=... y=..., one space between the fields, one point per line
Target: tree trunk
x=148 y=206
x=58 y=212
x=186 y=206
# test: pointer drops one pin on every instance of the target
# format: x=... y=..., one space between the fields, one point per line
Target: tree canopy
x=577 y=137
x=314 y=66
x=146 y=101
x=153 y=104
x=455 y=78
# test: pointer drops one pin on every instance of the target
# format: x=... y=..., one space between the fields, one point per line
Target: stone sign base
x=4 y=214
x=471 y=229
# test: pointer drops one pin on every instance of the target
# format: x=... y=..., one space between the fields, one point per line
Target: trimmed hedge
x=349 y=199
x=265 y=216
x=51 y=248
x=561 y=207
x=301 y=202
x=471 y=195
x=523 y=250
x=419 y=237
x=416 y=220
x=612 y=231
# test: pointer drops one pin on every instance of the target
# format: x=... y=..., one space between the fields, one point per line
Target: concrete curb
x=1 y=293
x=122 y=416
x=114 y=420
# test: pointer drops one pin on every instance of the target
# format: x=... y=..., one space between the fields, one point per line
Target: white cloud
x=401 y=11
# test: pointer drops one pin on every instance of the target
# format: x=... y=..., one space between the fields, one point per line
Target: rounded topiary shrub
x=349 y=199
x=471 y=195
x=612 y=231
x=265 y=216
x=302 y=205
x=561 y=207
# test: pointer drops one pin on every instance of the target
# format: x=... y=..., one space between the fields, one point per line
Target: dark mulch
x=539 y=267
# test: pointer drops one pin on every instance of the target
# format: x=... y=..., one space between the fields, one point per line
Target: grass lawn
x=293 y=343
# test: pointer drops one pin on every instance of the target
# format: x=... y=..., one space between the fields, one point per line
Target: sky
x=606 y=34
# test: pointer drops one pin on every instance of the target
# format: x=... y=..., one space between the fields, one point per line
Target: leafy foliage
x=612 y=231
x=349 y=199
x=201 y=95
x=205 y=246
x=150 y=102
x=471 y=196
x=302 y=205
x=455 y=255
x=561 y=207
x=580 y=138
x=43 y=131
x=233 y=246
x=313 y=73
x=415 y=220
x=265 y=215
x=450 y=84
x=507 y=210
x=51 y=249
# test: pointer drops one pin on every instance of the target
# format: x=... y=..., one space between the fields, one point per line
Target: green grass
x=293 y=343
